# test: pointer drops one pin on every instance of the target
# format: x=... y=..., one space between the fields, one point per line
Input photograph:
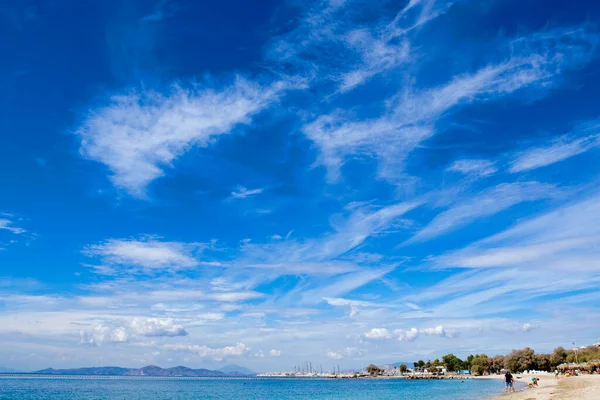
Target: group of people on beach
x=510 y=382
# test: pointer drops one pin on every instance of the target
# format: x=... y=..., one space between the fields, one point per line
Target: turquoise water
x=250 y=389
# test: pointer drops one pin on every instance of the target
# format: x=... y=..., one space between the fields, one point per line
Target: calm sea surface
x=251 y=389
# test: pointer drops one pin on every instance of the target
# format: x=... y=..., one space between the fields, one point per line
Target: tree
x=588 y=354
x=559 y=356
x=372 y=369
x=543 y=362
x=469 y=361
x=452 y=362
x=480 y=364
x=421 y=364
x=497 y=364
x=520 y=360
x=403 y=368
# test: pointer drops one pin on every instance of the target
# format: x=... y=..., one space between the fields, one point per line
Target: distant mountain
x=150 y=370
x=397 y=364
x=233 y=369
x=6 y=370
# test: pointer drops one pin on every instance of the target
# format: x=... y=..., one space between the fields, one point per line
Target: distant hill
x=237 y=370
x=397 y=364
x=6 y=370
x=150 y=370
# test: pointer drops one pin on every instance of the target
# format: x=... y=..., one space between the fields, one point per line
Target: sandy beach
x=583 y=387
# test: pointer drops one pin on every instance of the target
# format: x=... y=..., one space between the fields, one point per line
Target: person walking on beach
x=556 y=373
x=508 y=378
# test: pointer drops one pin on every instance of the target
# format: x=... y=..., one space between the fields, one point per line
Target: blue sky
x=266 y=182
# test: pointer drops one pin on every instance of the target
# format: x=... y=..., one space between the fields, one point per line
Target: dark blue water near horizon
x=245 y=389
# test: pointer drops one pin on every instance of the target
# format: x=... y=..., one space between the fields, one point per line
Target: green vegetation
x=517 y=361
x=373 y=370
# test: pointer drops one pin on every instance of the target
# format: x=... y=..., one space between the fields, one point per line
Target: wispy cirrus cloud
x=377 y=56
x=242 y=193
x=585 y=137
x=139 y=134
x=7 y=223
x=554 y=254
x=564 y=238
x=388 y=47
x=487 y=203
x=357 y=48
x=477 y=168
x=323 y=255
x=534 y=62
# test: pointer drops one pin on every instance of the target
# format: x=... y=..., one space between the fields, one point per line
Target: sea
x=245 y=389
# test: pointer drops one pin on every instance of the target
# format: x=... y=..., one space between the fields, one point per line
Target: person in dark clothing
x=510 y=382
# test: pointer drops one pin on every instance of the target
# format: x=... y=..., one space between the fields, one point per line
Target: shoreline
x=365 y=376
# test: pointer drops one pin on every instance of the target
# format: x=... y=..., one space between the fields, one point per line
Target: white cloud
x=355 y=305
x=560 y=149
x=121 y=331
x=338 y=301
x=156 y=327
x=406 y=335
x=7 y=223
x=242 y=192
x=437 y=331
x=378 y=333
x=233 y=297
x=478 y=168
x=334 y=356
x=146 y=254
x=487 y=203
x=353 y=352
x=526 y=327
x=139 y=134
x=413 y=333
x=101 y=334
x=275 y=353
x=216 y=354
